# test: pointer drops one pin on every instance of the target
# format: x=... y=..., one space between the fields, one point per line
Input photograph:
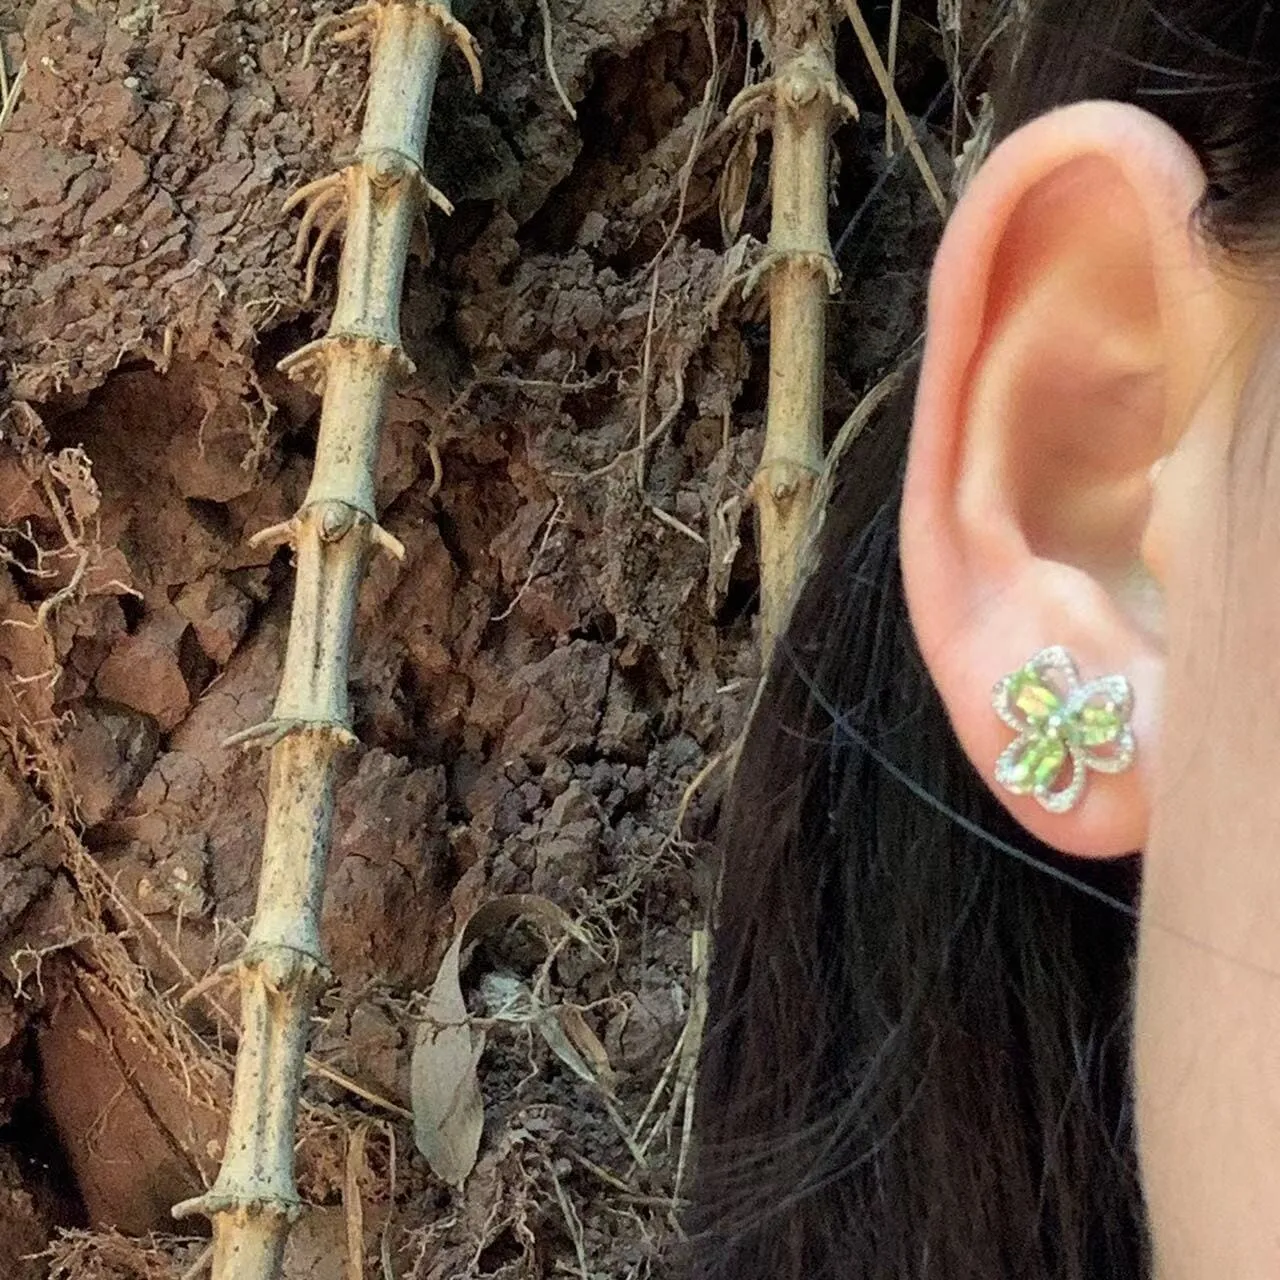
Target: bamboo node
x=309 y=365
x=387 y=167
x=808 y=77
x=819 y=261
x=285 y=969
x=270 y=732
x=242 y=1205
x=784 y=481
x=363 y=19
x=335 y=519
x=338 y=518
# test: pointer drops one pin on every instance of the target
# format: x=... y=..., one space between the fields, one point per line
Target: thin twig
x=646 y=362
x=200 y=1265
x=353 y=1201
x=895 y=18
x=665 y=517
x=894 y=103
x=659 y=1089
x=9 y=93
x=384 y=1240
x=710 y=92
x=609 y=1179
x=533 y=564
x=545 y=10
x=573 y=1223
x=687 y=1073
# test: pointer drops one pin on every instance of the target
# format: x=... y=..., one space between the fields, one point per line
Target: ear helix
x=1065 y=729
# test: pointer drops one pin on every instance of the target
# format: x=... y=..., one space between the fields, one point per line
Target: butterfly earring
x=1065 y=728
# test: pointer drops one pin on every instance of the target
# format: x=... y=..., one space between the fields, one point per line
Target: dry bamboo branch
x=380 y=196
x=806 y=101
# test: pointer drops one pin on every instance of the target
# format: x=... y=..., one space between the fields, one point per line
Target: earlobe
x=1073 y=325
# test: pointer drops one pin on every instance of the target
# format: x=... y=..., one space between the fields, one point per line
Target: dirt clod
x=568 y=643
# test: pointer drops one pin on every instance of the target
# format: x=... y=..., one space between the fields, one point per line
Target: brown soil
x=567 y=646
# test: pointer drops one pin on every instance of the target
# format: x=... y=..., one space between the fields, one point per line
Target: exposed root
x=313 y=189
x=746 y=107
x=200 y=1265
x=329 y=191
x=360 y=22
x=327 y=228
x=340 y=27
x=544 y=9
x=674 y=522
x=552 y=521
x=109 y=1255
x=464 y=40
x=437 y=469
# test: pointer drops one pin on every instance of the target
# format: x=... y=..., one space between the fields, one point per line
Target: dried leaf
x=353 y=1202
x=510 y=999
x=723 y=543
x=552 y=1032
x=736 y=264
x=735 y=183
x=448 y=1109
x=579 y=1031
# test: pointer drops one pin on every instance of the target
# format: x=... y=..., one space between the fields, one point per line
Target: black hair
x=917 y=1062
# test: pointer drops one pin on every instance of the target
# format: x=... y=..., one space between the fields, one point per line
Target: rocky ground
x=566 y=650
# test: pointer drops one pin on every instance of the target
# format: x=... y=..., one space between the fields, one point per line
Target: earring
x=1064 y=729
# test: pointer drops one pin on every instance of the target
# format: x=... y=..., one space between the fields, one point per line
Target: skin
x=1092 y=466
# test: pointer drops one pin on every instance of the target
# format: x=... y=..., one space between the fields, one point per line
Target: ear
x=1074 y=325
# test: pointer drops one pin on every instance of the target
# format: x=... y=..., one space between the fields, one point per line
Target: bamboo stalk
x=382 y=195
x=805 y=100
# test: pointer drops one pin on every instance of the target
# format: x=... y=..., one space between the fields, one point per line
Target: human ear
x=1074 y=324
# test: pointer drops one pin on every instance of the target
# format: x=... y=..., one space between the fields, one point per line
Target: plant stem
x=283 y=969
x=807 y=102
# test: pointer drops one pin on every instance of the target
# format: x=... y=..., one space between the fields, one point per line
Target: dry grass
x=108 y=1255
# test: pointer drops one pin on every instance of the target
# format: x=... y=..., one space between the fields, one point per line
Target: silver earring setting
x=1064 y=727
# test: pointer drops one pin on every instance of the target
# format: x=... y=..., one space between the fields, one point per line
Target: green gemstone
x=1035 y=699
x=1039 y=763
x=1096 y=726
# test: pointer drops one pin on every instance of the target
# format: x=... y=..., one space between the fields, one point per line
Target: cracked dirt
x=568 y=644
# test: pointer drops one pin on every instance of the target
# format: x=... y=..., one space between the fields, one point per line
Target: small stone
x=144 y=671
x=1098 y=726
x=1036 y=700
x=219 y=612
x=109 y=750
x=1038 y=765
